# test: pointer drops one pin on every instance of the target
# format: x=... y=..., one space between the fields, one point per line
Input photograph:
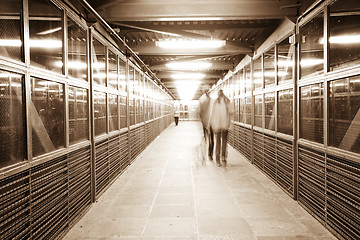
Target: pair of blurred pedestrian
x=215 y=116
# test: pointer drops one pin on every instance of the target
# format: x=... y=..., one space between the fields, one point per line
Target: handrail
x=115 y=34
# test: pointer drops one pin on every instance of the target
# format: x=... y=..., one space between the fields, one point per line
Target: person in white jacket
x=221 y=115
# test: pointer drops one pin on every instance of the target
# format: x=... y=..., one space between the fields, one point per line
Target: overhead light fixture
x=34 y=43
x=191 y=65
x=309 y=62
x=343 y=39
x=188 y=76
x=49 y=31
x=190 y=44
x=187 y=90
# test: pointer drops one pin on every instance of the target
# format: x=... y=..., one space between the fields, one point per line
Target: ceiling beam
x=167 y=10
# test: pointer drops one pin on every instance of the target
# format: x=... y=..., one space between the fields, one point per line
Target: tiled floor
x=168 y=193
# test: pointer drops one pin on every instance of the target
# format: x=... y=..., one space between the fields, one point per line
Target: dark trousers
x=221 y=145
x=209 y=137
x=176 y=120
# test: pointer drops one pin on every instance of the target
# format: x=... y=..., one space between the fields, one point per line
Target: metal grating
x=79 y=183
x=343 y=196
x=270 y=163
x=101 y=166
x=15 y=206
x=312 y=181
x=259 y=150
x=114 y=157
x=49 y=198
x=285 y=165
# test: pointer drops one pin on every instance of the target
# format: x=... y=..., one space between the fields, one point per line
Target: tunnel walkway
x=168 y=193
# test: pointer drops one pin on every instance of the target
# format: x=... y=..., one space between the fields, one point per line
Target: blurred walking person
x=222 y=113
x=205 y=108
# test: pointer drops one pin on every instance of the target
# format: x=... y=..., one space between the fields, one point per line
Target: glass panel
x=113 y=113
x=122 y=75
x=137 y=110
x=131 y=80
x=136 y=83
x=98 y=58
x=242 y=110
x=247 y=79
x=270 y=111
x=77 y=64
x=47 y=116
x=258 y=111
x=285 y=61
x=100 y=113
x=78 y=115
x=123 y=119
x=269 y=67
x=12 y=119
x=141 y=110
x=248 y=110
x=10 y=29
x=344 y=39
x=242 y=82
x=236 y=112
x=344 y=114
x=132 y=111
x=46 y=35
x=311 y=112
x=285 y=112
x=312 y=50
x=113 y=77
x=258 y=74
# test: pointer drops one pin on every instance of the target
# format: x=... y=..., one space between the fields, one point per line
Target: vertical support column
x=252 y=109
x=128 y=108
x=296 y=112
x=65 y=72
x=326 y=93
x=91 y=116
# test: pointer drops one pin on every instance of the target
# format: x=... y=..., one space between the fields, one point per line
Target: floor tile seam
x=157 y=189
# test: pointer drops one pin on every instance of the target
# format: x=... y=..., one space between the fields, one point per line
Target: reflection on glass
x=47 y=116
x=122 y=75
x=312 y=50
x=98 y=59
x=137 y=83
x=311 y=112
x=248 y=110
x=247 y=79
x=242 y=110
x=285 y=112
x=10 y=29
x=344 y=114
x=46 y=33
x=131 y=80
x=78 y=115
x=344 y=38
x=258 y=74
x=285 y=61
x=100 y=113
x=269 y=67
x=113 y=77
x=77 y=65
x=242 y=81
x=113 y=113
x=270 y=111
x=123 y=118
x=236 y=110
x=132 y=111
x=12 y=119
x=258 y=111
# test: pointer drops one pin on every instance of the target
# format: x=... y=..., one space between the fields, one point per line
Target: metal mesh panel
x=15 y=206
x=49 y=198
x=79 y=182
x=270 y=163
x=285 y=165
x=258 y=150
x=343 y=196
x=312 y=181
x=114 y=157
x=101 y=166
